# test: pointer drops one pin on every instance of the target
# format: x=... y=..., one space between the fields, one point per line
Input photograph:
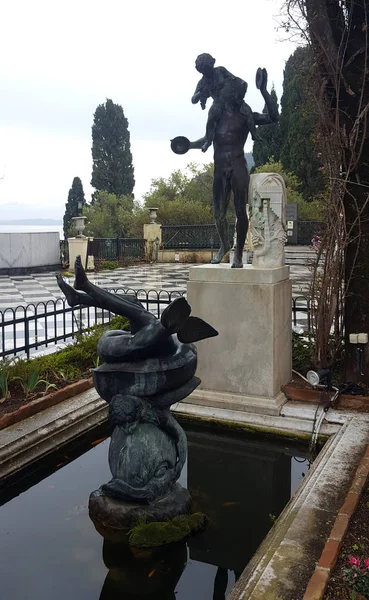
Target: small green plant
x=273 y=518
x=60 y=375
x=67 y=274
x=357 y=575
x=30 y=384
x=4 y=381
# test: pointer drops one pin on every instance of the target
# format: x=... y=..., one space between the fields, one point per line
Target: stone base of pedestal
x=246 y=365
x=113 y=518
x=225 y=400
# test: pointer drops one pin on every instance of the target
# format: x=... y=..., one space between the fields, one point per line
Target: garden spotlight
x=315 y=377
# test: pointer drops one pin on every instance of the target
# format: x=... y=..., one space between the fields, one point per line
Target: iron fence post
x=26 y=336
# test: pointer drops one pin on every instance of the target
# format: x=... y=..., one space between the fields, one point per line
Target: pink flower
x=366 y=563
x=355 y=562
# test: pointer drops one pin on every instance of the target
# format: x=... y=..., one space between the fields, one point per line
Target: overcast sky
x=60 y=60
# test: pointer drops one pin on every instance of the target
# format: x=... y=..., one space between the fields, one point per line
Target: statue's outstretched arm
x=271 y=116
x=197 y=144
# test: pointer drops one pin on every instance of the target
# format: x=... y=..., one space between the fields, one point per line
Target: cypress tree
x=75 y=195
x=112 y=169
x=300 y=152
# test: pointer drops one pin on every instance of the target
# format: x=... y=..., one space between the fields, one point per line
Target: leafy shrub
x=302 y=352
x=109 y=264
x=119 y=322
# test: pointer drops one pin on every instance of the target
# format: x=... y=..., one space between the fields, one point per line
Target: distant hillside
x=31 y=222
x=10 y=213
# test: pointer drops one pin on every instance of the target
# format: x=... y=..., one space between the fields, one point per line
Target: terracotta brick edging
x=35 y=406
x=305 y=394
x=319 y=580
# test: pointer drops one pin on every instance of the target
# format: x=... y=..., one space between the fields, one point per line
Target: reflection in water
x=241 y=485
x=150 y=574
x=221 y=583
x=52 y=550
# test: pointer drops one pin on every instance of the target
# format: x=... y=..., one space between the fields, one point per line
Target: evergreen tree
x=338 y=33
x=300 y=152
x=75 y=195
x=270 y=143
x=109 y=216
x=112 y=169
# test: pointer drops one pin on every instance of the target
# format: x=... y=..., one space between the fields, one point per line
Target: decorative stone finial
x=153 y=215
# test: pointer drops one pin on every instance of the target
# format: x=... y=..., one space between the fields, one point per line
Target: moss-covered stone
x=259 y=432
x=157 y=534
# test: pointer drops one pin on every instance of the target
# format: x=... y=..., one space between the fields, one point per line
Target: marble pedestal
x=77 y=247
x=246 y=365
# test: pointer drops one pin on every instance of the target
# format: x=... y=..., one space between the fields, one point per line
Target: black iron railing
x=116 y=248
x=192 y=237
x=198 y=237
x=301 y=305
x=26 y=329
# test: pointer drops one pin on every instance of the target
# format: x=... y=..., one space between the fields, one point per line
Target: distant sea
x=30 y=228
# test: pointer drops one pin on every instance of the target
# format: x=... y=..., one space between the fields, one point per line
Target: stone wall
x=22 y=252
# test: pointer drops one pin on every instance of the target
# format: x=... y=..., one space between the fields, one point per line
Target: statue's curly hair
x=205 y=59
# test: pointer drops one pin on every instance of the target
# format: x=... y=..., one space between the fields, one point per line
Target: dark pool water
x=49 y=548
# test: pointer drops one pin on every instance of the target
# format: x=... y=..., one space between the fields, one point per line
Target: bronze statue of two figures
x=230 y=120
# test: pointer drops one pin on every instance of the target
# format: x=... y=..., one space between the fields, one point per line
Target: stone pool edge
x=272 y=571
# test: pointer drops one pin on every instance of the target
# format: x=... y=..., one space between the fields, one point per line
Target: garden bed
x=343 y=568
x=299 y=390
x=29 y=386
x=16 y=409
x=355 y=545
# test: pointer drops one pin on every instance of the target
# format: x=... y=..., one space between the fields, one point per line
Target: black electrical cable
x=315 y=419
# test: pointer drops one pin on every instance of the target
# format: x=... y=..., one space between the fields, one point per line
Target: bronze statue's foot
x=237 y=263
x=80 y=277
x=71 y=295
x=205 y=146
x=219 y=255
